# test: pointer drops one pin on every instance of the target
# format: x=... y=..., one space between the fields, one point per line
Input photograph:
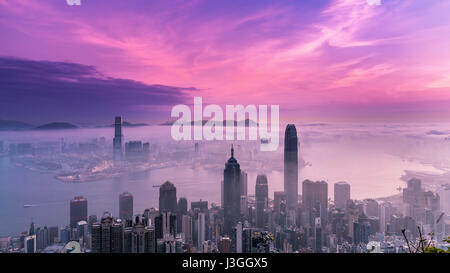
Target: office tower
x=411 y=195
x=126 y=206
x=224 y=245
x=165 y=224
x=361 y=233
x=231 y=185
x=244 y=205
x=341 y=194
x=186 y=229
x=30 y=243
x=117 y=236
x=150 y=240
x=101 y=235
x=138 y=238
x=201 y=205
x=64 y=235
x=82 y=230
x=278 y=197
x=291 y=172
x=127 y=238
x=182 y=207
x=78 y=210
x=371 y=207
x=247 y=237
x=145 y=152
x=236 y=236
x=386 y=211
x=243 y=184
x=338 y=224
x=41 y=238
x=222 y=192
x=201 y=228
x=118 y=138
x=262 y=199
x=107 y=235
x=150 y=215
x=444 y=194
x=314 y=201
x=52 y=235
x=168 y=197
x=134 y=151
x=318 y=235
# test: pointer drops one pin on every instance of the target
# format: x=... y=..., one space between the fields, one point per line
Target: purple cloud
x=37 y=91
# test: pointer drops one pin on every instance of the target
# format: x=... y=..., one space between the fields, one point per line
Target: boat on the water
x=27 y=205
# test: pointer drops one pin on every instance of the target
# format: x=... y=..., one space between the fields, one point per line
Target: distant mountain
x=247 y=123
x=129 y=124
x=56 y=126
x=14 y=125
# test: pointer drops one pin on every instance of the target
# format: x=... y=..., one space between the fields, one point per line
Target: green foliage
x=433 y=249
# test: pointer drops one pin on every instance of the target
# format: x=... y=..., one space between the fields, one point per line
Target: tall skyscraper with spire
x=231 y=188
x=118 y=138
x=291 y=172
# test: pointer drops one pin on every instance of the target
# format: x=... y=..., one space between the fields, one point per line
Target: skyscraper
x=243 y=183
x=262 y=199
x=201 y=228
x=291 y=171
x=236 y=236
x=225 y=245
x=278 y=196
x=315 y=201
x=231 y=191
x=165 y=224
x=134 y=151
x=78 y=210
x=106 y=239
x=117 y=236
x=168 y=197
x=117 y=141
x=371 y=207
x=30 y=243
x=181 y=210
x=201 y=205
x=126 y=206
x=186 y=229
x=341 y=194
x=142 y=239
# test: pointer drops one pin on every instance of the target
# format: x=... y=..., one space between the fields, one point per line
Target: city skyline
x=248 y=224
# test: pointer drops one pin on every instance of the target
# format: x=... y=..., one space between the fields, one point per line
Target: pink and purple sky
x=335 y=60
